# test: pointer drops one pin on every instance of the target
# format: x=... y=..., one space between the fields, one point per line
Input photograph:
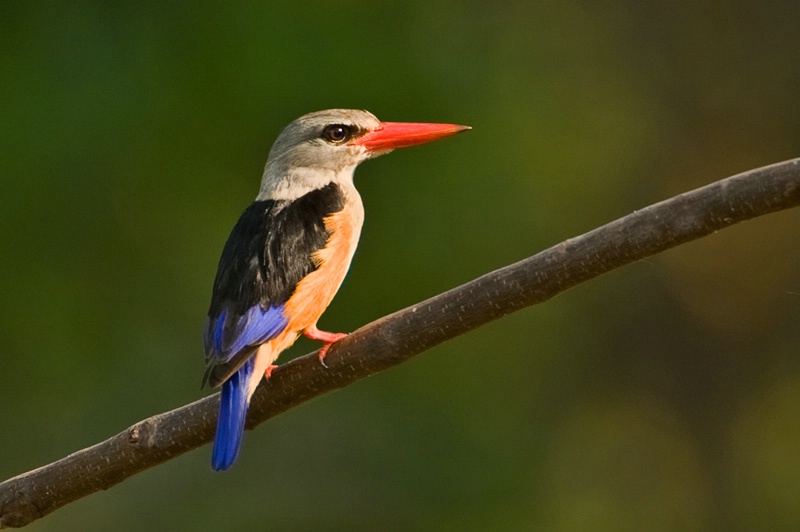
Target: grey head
x=315 y=150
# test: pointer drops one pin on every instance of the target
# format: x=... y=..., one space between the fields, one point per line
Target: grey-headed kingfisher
x=289 y=252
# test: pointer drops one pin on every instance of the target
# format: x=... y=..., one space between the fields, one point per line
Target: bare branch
x=396 y=338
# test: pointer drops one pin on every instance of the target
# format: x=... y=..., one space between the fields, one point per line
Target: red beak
x=391 y=135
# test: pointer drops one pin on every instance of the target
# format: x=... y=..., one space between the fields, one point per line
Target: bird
x=289 y=252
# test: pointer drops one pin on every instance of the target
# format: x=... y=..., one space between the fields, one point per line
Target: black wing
x=267 y=254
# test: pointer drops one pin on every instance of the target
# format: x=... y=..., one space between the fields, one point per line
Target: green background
x=662 y=396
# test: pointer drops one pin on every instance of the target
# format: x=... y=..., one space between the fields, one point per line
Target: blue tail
x=232 y=413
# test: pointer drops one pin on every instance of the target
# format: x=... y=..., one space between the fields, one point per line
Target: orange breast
x=316 y=291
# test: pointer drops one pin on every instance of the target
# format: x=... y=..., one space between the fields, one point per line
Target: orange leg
x=328 y=338
x=269 y=370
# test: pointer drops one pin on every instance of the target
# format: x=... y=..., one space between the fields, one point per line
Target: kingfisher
x=288 y=254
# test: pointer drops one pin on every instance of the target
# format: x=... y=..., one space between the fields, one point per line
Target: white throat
x=299 y=181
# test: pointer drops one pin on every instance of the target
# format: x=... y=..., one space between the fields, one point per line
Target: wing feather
x=270 y=250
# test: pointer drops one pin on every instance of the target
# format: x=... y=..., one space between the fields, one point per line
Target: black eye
x=337 y=133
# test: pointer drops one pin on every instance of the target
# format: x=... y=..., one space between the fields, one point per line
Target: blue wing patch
x=227 y=334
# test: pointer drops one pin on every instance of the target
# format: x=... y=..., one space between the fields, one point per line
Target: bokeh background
x=662 y=396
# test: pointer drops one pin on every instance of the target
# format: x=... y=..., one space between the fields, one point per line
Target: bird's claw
x=268 y=372
x=328 y=338
x=323 y=352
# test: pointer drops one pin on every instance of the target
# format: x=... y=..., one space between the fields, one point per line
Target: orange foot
x=328 y=338
x=269 y=370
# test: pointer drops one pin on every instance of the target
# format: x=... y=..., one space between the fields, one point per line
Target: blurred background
x=662 y=396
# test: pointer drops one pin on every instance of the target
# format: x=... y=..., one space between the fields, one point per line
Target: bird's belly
x=316 y=291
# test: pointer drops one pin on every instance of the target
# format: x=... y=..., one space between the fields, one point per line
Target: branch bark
x=396 y=338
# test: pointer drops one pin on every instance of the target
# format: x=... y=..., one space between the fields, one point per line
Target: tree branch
x=396 y=338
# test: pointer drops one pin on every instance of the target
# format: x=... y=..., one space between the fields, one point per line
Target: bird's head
x=326 y=146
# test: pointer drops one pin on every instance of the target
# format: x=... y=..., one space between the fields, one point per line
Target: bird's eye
x=337 y=133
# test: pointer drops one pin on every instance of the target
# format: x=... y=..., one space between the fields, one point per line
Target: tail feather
x=232 y=414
